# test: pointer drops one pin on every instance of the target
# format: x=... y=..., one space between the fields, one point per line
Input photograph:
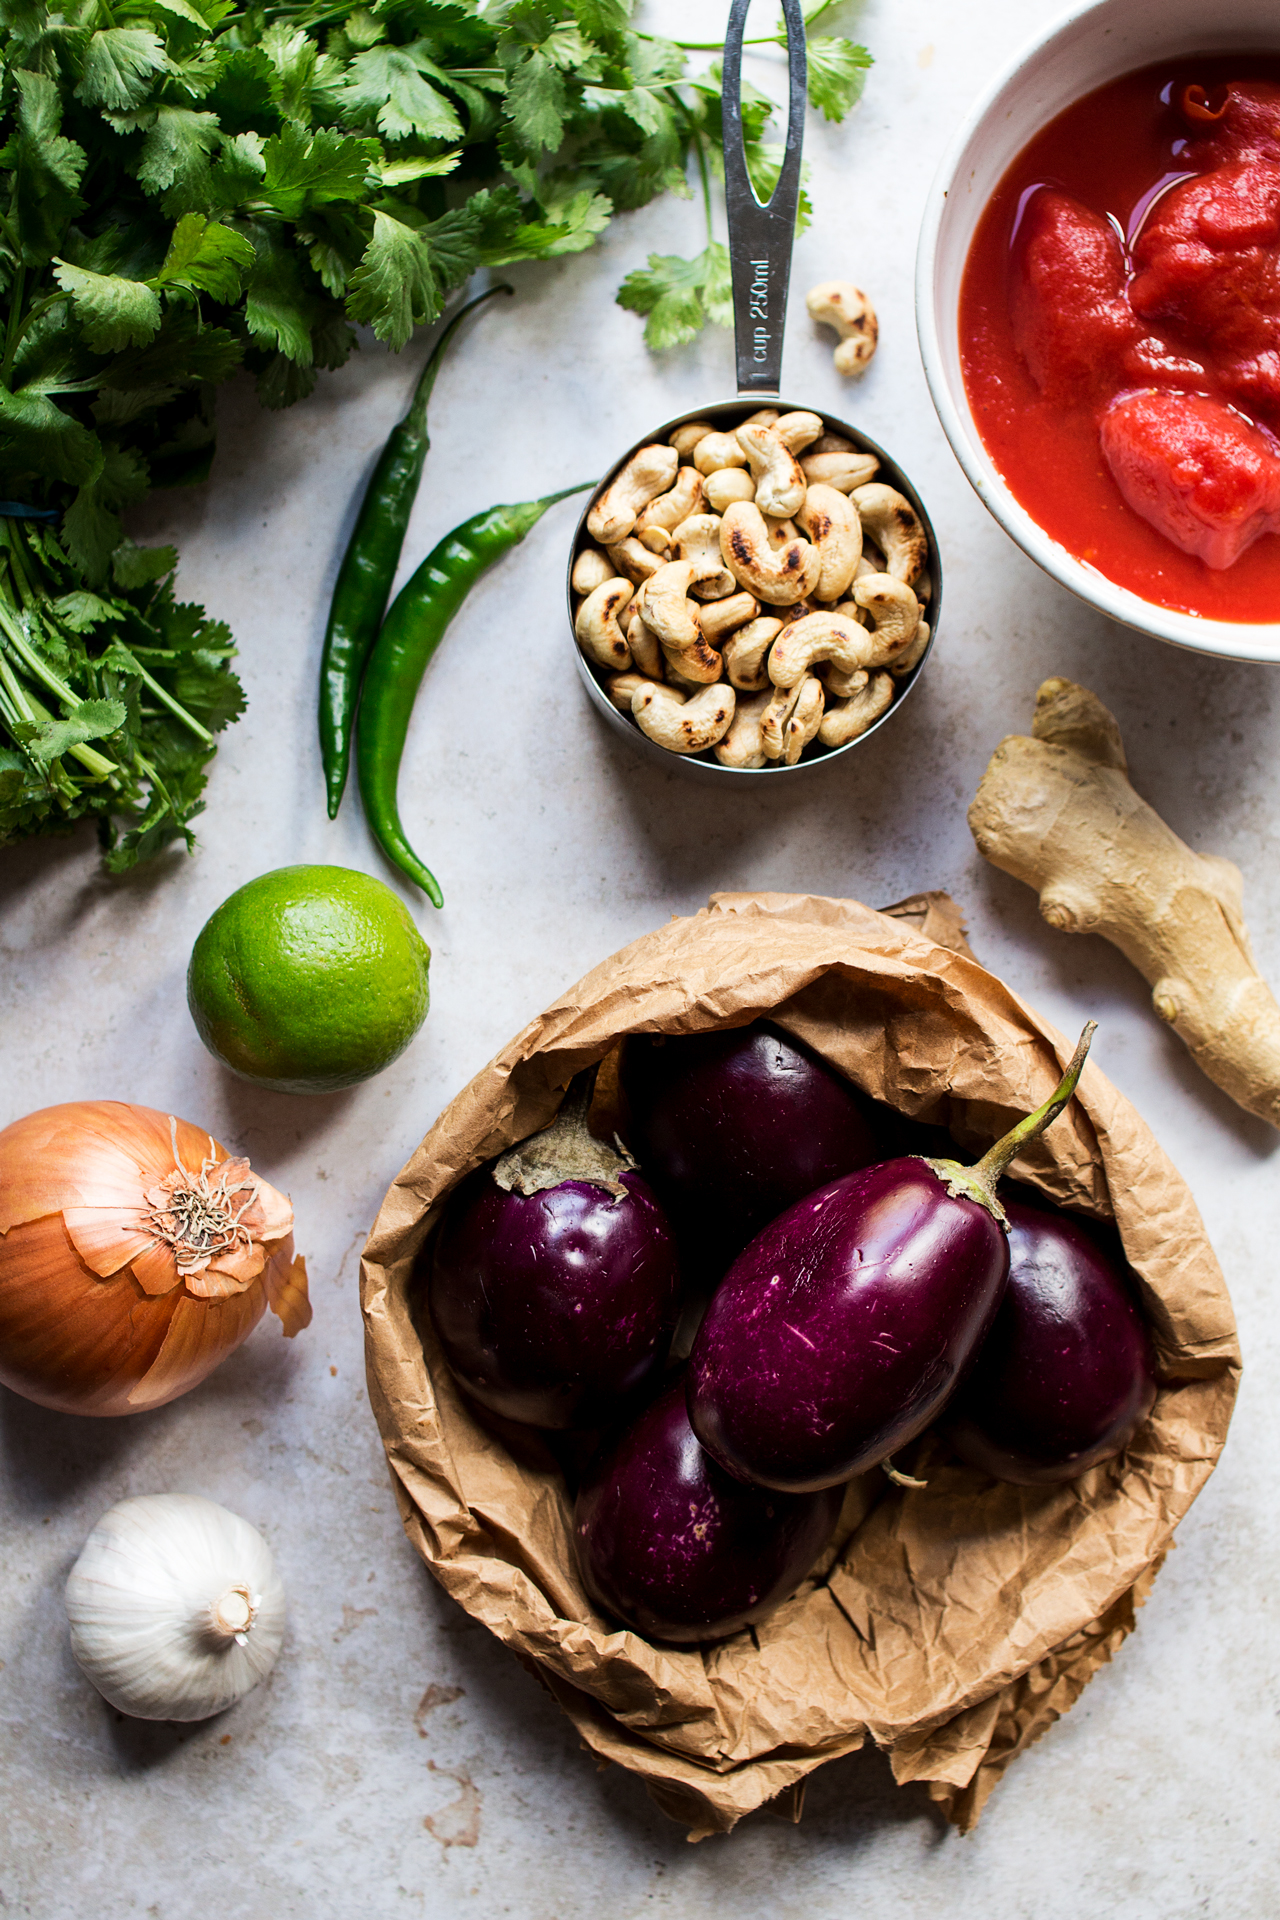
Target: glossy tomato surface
x=678 y=1549
x=842 y=1330
x=553 y=1306
x=1066 y=1376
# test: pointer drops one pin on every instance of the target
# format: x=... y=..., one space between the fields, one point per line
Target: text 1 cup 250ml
x=755 y=586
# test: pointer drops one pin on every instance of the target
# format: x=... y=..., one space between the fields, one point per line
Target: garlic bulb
x=175 y=1606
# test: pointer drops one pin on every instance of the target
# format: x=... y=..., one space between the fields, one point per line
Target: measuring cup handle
x=760 y=237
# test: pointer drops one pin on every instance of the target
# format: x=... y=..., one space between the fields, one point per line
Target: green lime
x=309 y=979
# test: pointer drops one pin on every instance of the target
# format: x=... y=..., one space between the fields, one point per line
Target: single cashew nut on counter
x=620 y=688
x=720 y=618
x=742 y=745
x=686 y=438
x=780 y=484
x=656 y=523
x=663 y=604
x=803 y=721
x=629 y=557
x=649 y=471
x=892 y=522
x=825 y=636
x=680 y=725
x=779 y=578
x=744 y=654
x=591 y=570
x=726 y=485
x=717 y=450
x=895 y=617
x=843 y=722
x=697 y=539
x=838 y=467
x=597 y=629
x=834 y=527
x=839 y=304
x=798 y=430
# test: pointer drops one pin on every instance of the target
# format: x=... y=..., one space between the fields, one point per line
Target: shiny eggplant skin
x=553 y=1307
x=733 y=1127
x=843 y=1329
x=1066 y=1376
x=675 y=1548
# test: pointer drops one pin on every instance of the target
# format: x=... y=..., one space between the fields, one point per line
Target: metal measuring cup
x=760 y=242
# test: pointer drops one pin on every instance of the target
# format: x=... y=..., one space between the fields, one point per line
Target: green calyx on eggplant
x=554 y=1282
x=842 y=1331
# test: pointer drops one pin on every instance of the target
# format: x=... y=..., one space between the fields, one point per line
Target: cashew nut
x=780 y=578
x=663 y=604
x=744 y=653
x=621 y=686
x=646 y=653
x=722 y=617
x=649 y=471
x=779 y=482
x=841 y=468
x=803 y=721
x=698 y=665
x=912 y=654
x=717 y=450
x=726 y=485
x=686 y=438
x=698 y=539
x=763 y=417
x=680 y=725
x=798 y=430
x=741 y=746
x=590 y=570
x=892 y=522
x=596 y=625
x=849 y=718
x=839 y=304
x=819 y=637
x=832 y=443
x=629 y=557
x=895 y=615
x=840 y=686
x=781 y=710
x=780 y=531
x=834 y=527
x=654 y=526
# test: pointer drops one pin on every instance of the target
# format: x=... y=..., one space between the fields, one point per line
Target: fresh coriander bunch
x=186 y=188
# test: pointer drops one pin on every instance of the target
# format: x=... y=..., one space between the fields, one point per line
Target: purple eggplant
x=677 y=1549
x=1066 y=1375
x=844 y=1328
x=733 y=1127
x=554 y=1282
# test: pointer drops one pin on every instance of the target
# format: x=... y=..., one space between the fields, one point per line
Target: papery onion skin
x=84 y=1342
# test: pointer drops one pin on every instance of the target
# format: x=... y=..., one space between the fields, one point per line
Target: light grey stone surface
x=398 y=1762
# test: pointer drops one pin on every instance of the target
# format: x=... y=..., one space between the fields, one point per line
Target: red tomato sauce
x=1070 y=386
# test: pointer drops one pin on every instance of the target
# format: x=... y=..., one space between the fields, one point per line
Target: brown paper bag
x=951 y=1624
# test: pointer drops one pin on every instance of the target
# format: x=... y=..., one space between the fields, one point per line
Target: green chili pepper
x=413 y=629
x=369 y=566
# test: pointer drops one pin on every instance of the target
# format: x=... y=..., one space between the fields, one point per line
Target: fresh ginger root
x=1058 y=812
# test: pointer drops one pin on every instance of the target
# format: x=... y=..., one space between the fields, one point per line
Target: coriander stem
x=175 y=707
x=699 y=148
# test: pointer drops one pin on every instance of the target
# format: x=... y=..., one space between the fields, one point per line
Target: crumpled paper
x=950 y=1624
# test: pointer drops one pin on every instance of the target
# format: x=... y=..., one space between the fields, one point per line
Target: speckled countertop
x=399 y=1762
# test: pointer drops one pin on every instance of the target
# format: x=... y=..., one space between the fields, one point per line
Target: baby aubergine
x=1065 y=1377
x=843 y=1329
x=680 y=1551
x=554 y=1282
x=733 y=1127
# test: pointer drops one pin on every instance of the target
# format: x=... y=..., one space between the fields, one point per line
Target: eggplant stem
x=989 y=1171
x=566 y=1150
x=900 y=1479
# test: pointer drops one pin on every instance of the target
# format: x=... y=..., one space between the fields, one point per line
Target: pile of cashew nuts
x=752 y=590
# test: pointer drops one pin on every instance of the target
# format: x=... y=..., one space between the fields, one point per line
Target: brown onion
x=135 y=1255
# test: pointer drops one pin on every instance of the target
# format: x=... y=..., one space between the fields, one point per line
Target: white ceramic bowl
x=1087 y=47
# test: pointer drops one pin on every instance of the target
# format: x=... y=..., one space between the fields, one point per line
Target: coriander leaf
x=45 y=740
x=135 y=566
x=638 y=103
x=455 y=244
x=113 y=312
x=536 y=102
x=679 y=296
x=182 y=352
x=308 y=169
x=837 y=75
x=49 y=169
x=394 y=288
x=91 y=524
x=293 y=60
x=280 y=309
x=38 y=437
x=118 y=65
x=598 y=18
x=386 y=84
x=239 y=171
x=398 y=173
x=82 y=611
x=206 y=257
x=176 y=150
